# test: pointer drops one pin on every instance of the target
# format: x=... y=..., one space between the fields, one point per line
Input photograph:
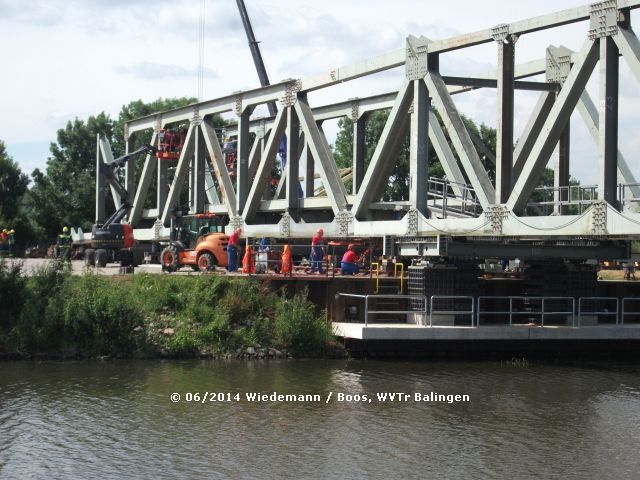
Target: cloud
x=36 y=13
x=157 y=71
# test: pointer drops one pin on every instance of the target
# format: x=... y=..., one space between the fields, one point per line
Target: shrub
x=100 y=315
x=12 y=294
x=298 y=329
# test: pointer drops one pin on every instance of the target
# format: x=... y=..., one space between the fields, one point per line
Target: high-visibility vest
x=287 y=264
x=248 y=262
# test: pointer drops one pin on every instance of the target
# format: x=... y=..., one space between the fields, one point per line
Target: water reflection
x=115 y=420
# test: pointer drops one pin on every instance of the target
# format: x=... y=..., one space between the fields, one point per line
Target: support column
x=608 y=122
x=504 y=130
x=242 y=187
x=162 y=185
x=358 y=151
x=418 y=152
x=198 y=173
x=561 y=172
x=309 y=180
x=293 y=161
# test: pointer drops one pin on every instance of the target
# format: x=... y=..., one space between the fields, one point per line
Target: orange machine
x=197 y=241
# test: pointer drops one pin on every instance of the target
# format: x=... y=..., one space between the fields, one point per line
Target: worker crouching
x=349 y=261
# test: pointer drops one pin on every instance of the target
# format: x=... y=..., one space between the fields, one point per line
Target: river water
x=116 y=419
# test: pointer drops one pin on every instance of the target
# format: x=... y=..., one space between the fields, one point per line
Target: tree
x=398 y=186
x=65 y=193
x=13 y=185
x=137 y=109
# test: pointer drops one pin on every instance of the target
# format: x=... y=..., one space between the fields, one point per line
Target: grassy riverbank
x=54 y=313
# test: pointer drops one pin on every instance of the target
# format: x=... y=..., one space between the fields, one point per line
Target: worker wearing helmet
x=232 y=250
x=3 y=240
x=11 y=240
x=349 y=261
x=317 y=251
x=64 y=244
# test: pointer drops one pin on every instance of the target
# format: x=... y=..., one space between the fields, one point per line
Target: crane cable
x=201 y=25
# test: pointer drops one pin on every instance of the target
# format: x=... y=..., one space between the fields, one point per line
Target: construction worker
x=232 y=250
x=11 y=240
x=349 y=261
x=3 y=240
x=317 y=251
x=64 y=244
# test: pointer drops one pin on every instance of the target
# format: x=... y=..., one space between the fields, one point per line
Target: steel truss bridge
x=465 y=204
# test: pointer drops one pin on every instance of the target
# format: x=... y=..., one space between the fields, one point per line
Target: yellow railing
x=377 y=275
x=396 y=267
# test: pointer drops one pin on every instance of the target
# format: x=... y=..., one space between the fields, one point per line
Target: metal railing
x=368 y=312
x=624 y=313
x=454 y=197
x=540 y=307
x=605 y=312
x=531 y=310
x=451 y=312
x=580 y=196
x=396 y=267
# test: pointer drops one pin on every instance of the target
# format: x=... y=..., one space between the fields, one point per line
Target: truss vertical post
x=309 y=177
x=418 y=151
x=293 y=161
x=162 y=185
x=242 y=188
x=198 y=172
x=504 y=140
x=561 y=172
x=608 y=122
x=359 y=123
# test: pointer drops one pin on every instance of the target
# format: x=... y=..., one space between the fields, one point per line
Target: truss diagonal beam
x=264 y=167
x=382 y=163
x=148 y=171
x=461 y=141
x=629 y=47
x=552 y=128
x=180 y=176
x=321 y=151
x=532 y=131
x=589 y=114
x=219 y=167
x=445 y=154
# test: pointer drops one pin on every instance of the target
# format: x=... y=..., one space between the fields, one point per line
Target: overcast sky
x=75 y=58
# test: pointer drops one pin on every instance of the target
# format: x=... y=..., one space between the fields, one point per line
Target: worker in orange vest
x=248 y=261
x=287 y=264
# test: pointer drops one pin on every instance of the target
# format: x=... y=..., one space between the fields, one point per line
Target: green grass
x=53 y=312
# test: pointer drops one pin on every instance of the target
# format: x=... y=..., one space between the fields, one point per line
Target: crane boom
x=255 y=53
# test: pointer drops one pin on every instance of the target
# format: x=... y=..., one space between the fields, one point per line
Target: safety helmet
x=4 y=230
x=12 y=231
x=351 y=246
x=320 y=231
x=65 y=229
